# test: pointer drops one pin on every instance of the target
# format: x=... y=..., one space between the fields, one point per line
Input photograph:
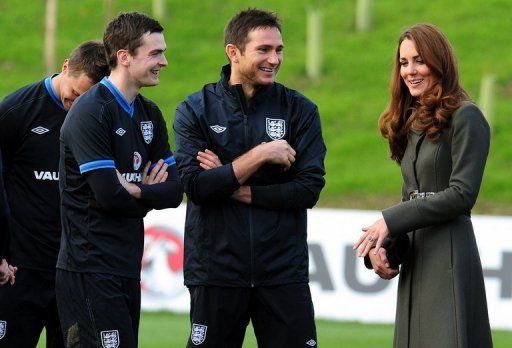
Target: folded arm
x=201 y=186
x=160 y=188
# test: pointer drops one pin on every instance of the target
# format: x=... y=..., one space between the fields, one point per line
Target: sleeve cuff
x=230 y=172
x=87 y=167
x=170 y=161
x=401 y=218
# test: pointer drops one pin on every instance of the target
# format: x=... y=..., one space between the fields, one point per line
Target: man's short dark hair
x=242 y=23
x=89 y=58
x=125 y=32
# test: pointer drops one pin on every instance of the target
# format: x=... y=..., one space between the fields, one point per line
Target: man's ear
x=233 y=53
x=65 y=66
x=123 y=57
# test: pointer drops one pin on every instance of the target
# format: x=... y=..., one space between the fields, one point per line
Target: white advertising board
x=342 y=288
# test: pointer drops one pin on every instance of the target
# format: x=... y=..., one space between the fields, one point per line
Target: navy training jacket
x=229 y=243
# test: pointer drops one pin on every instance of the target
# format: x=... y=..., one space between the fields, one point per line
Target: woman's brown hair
x=431 y=111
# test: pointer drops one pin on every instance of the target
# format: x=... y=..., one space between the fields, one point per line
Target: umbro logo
x=120 y=132
x=218 y=129
x=40 y=130
x=311 y=343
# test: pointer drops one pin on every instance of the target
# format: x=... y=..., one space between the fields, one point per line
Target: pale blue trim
x=121 y=100
x=170 y=161
x=87 y=167
x=51 y=91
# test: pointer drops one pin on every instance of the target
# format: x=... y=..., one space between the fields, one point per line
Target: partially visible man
x=250 y=154
x=108 y=136
x=7 y=272
x=30 y=121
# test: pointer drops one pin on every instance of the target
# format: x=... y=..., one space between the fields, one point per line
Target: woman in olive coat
x=441 y=141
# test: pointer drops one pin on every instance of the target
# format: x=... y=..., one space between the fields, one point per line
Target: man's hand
x=208 y=159
x=243 y=194
x=278 y=152
x=157 y=175
x=7 y=273
x=132 y=189
x=381 y=265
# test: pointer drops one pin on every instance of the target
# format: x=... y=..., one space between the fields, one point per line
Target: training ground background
x=351 y=92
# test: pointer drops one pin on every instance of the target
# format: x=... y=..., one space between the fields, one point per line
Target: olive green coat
x=441 y=293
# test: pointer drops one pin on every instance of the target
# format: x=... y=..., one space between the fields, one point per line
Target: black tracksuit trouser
x=282 y=316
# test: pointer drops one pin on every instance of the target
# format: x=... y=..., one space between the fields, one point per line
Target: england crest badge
x=147 y=131
x=276 y=128
x=3 y=328
x=110 y=339
x=198 y=334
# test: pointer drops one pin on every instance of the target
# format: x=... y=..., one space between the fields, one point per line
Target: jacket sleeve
x=112 y=196
x=201 y=186
x=307 y=173
x=470 y=141
x=4 y=218
x=10 y=125
x=168 y=194
x=4 y=238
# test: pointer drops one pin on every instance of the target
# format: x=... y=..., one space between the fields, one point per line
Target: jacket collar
x=49 y=88
x=236 y=91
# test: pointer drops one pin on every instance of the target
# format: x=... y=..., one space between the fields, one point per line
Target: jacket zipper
x=251 y=239
x=239 y=96
x=252 y=247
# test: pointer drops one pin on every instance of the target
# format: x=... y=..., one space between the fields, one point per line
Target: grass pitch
x=170 y=330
